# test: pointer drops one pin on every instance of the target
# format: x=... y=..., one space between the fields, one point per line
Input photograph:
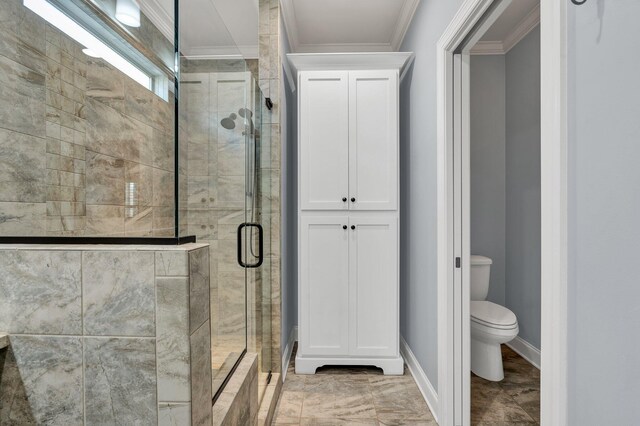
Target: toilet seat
x=492 y=315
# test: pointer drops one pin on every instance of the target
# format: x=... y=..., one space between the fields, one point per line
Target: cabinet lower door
x=324 y=285
x=373 y=311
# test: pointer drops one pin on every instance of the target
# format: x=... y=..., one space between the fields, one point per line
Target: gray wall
x=488 y=199
x=604 y=212
x=289 y=128
x=418 y=283
x=505 y=177
x=522 y=290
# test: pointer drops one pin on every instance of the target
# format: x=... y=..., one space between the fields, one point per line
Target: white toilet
x=491 y=324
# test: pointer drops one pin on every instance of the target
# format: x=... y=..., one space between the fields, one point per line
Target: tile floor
x=363 y=396
x=351 y=396
x=513 y=401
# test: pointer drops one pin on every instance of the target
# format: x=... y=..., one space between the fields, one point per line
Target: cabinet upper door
x=324 y=285
x=373 y=292
x=373 y=140
x=324 y=140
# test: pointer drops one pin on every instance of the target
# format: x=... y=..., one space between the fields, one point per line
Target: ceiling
x=518 y=19
x=210 y=28
x=318 y=26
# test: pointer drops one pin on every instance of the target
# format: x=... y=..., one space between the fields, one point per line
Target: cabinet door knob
x=344 y=199
x=344 y=226
x=353 y=199
x=353 y=227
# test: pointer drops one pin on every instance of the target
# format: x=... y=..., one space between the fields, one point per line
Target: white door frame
x=453 y=407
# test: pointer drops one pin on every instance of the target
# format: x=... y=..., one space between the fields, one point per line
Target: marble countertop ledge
x=4 y=340
x=104 y=247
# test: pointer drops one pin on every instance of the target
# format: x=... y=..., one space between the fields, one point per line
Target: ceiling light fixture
x=93 y=46
x=128 y=12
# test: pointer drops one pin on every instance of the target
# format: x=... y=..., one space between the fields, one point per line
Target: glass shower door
x=225 y=165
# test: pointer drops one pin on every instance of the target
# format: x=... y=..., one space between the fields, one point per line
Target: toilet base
x=486 y=360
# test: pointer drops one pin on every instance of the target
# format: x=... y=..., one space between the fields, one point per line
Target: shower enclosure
x=226 y=168
x=142 y=128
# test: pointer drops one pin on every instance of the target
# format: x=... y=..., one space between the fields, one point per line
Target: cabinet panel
x=373 y=140
x=324 y=140
x=373 y=253
x=324 y=286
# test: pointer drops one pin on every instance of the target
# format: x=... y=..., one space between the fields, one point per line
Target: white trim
x=528 y=23
x=488 y=48
x=426 y=388
x=553 y=18
x=554 y=224
x=290 y=23
x=246 y=52
x=288 y=350
x=462 y=23
x=160 y=17
x=404 y=21
x=526 y=350
x=401 y=27
x=520 y=31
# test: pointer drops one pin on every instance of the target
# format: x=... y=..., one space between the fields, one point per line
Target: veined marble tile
x=40 y=292
x=163 y=150
x=172 y=263
x=170 y=414
x=163 y=185
x=22 y=35
x=198 y=288
x=172 y=294
x=138 y=183
x=41 y=382
x=140 y=224
x=23 y=89
x=120 y=381
x=22 y=167
x=118 y=293
x=105 y=179
x=22 y=219
x=201 y=394
x=105 y=220
x=104 y=83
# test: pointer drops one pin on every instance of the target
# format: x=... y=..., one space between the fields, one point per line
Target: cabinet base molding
x=390 y=366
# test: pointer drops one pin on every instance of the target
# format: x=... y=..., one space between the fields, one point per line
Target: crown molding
x=290 y=24
x=488 y=48
x=401 y=27
x=159 y=16
x=246 y=52
x=344 y=48
x=404 y=21
x=520 y=31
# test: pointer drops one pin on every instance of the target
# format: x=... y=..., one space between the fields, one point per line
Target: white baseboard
x=288 y=350
x=526 y=350
x=426 y=388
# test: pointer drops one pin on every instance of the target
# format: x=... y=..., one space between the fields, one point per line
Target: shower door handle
x=260 y=245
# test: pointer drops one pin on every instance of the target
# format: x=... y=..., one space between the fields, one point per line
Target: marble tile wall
x=106 y=335
x=77 y=137
x=270 y=69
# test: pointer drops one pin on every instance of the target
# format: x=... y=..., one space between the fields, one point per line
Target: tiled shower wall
x=105 y=335
x=270 y=67
x=76 y=137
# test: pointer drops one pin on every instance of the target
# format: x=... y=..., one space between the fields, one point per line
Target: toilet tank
x=480 y=274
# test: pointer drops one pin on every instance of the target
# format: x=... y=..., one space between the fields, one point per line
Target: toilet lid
x=492 y=315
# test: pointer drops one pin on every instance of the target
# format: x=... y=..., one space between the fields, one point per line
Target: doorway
x=474 y=20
